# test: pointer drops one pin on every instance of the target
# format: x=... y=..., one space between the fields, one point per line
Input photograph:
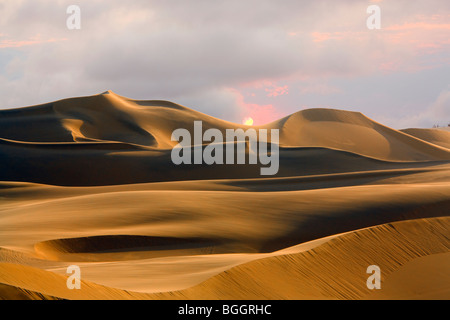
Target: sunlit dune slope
x=354 y=132
x=110 y=117
x=108 y=139
x=335 y=269
x=436 y=136
x=209 y=221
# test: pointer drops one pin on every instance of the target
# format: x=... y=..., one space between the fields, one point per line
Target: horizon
x=244 y=123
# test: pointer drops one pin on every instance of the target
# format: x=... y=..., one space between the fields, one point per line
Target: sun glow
x=248 y=121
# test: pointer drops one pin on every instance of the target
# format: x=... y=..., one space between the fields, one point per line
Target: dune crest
x=335 y=269
x=111 y=117
x=436 y=136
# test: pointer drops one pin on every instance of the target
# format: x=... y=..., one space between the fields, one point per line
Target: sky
x=234 y=59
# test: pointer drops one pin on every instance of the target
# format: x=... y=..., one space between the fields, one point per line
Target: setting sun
x=248 y=121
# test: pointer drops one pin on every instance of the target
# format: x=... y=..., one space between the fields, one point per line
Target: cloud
x=261 y=114
x=8 y=43
x=191 y=52
x=319 y=88
x=437 y=113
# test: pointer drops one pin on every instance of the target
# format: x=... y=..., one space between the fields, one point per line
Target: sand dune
x=89 y=181
x=233 y=221
x=107 y=163
x=110 y=117
x=108 y=139
x=353 y=132
x=335 y=269
x=436 y=136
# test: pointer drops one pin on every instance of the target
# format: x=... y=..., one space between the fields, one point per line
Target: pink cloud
x=420 y=36
x=272 y=89
x=275 y=91
x=9 y=43
x=420 y=25
x=261 y=114
x=422 y=32
x=322 y=36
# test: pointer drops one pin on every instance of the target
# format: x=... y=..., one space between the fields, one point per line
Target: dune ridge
x=436 y=136
x=334 y=274
x=110 y=117
x=111 y=134
x=333 y=270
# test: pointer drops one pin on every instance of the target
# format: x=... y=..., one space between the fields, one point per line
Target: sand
x=437 y=136
x=89 y=181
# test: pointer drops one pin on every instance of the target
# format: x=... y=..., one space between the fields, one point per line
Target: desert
x=89 y=181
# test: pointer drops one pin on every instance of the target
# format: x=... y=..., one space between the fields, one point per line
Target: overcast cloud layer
x=234 y=59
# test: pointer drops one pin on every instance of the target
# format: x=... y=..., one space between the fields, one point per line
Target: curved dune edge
x=136 y=120
x=15 y=293
x=109 y=117
x=333 y=270
x=109 y=248
x=430 y=280
x=119 y=243
x=107 y=139
x=436 y=136
x=25 y=279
